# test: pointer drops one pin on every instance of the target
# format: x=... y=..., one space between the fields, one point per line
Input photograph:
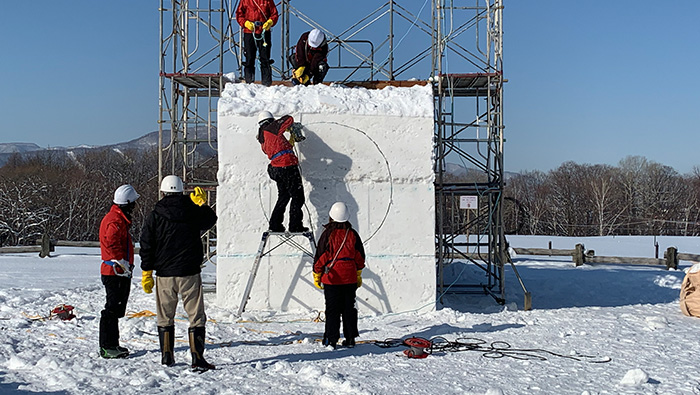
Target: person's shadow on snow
x=325 y=169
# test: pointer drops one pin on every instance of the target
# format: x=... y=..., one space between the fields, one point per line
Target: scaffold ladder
x=285 y=238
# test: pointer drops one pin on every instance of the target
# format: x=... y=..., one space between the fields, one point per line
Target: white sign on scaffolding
x=469 y=202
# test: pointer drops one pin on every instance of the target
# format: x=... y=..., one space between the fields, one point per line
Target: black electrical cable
x=496 y=349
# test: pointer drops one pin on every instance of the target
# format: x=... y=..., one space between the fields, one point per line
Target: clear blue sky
x=588 y=81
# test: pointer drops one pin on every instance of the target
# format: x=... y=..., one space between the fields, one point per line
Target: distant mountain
x=11 y=148
x=150 y=140
x=144 y=142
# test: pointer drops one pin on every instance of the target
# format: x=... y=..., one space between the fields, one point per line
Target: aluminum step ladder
x=285 y=238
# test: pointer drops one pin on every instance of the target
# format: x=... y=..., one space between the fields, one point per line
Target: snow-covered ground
x=603 y=329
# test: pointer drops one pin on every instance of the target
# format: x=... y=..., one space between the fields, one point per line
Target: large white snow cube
x=371 y=149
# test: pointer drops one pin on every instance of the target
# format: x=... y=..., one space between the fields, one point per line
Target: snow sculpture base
x=371 y=149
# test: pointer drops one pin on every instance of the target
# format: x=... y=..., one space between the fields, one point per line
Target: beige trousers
x=190 y=290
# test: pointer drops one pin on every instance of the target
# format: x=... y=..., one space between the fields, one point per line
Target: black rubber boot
x=166 y=336
x=199 y=364
x=327 y=342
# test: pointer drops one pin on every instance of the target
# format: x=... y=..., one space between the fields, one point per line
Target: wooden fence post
x=579 y=255
x=671 y=257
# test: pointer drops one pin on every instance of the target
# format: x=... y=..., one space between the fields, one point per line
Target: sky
x=593 y=329
x=591 y=82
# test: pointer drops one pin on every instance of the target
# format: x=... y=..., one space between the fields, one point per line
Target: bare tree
x=603 y=182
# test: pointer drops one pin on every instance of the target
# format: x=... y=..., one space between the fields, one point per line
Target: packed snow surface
x=594 y=329
x=250 y=99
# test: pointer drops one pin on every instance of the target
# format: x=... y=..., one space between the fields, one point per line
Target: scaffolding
x=459 y=48
x=475 y=138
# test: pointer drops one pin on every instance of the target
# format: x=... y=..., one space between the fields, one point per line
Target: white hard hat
x=316 y=38
x=264 y=116
x=339 y=212
x=125 y=194
x=171 y=184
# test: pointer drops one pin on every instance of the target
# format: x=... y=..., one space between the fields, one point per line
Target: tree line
x=636 y=197
x=66 y=196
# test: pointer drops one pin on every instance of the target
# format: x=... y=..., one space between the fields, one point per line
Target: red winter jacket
x=115 y=240
x=256 y=11
x=273 y=143
x=341 y=253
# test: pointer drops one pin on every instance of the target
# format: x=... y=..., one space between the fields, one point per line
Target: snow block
x=371 y=149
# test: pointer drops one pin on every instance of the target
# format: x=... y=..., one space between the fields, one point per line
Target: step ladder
x=284 y=238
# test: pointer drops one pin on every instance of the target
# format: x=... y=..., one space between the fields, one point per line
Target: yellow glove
x=198 y=196
x=249 y=25
x=359 y=278
x=317 y=281
x=303 y=80
x=267 y=25
x=299 y=72
x=147 y=281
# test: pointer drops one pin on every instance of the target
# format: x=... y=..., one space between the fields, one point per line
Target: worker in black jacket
x=171 y=245
x=309 y=59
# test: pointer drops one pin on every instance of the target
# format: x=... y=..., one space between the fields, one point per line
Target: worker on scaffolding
x=309 y=59
x=283 y=169
x=257 y=17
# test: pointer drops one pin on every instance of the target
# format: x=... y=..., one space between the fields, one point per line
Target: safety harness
x=120 y=268
x=328 y=266
x=277 y=155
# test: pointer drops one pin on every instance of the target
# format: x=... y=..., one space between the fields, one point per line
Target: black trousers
x=117 y=289
x=289 y=187
x=251 y=45
x=340 y=301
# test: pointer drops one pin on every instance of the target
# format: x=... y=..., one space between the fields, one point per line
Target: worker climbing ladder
x=284 y=238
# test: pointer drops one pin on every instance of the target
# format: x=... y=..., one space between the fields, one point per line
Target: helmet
x=125 y=194
x=339 y=212
x=171 y=184
x=316 y=38
x=264 y=116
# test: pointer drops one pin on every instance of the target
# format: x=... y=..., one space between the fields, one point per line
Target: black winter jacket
x=170 y=239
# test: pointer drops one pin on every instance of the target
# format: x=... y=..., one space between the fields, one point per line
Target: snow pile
x=694 y=269
x=634 y=378
x=248 y=100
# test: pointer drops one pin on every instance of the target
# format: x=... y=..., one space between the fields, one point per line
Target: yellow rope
x=34 y=317
x=142 y=313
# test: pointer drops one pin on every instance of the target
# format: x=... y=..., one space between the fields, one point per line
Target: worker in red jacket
x=284 y=170
x=338 y=264
x=257 y=17
x=117 y=250
x=310 y=58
